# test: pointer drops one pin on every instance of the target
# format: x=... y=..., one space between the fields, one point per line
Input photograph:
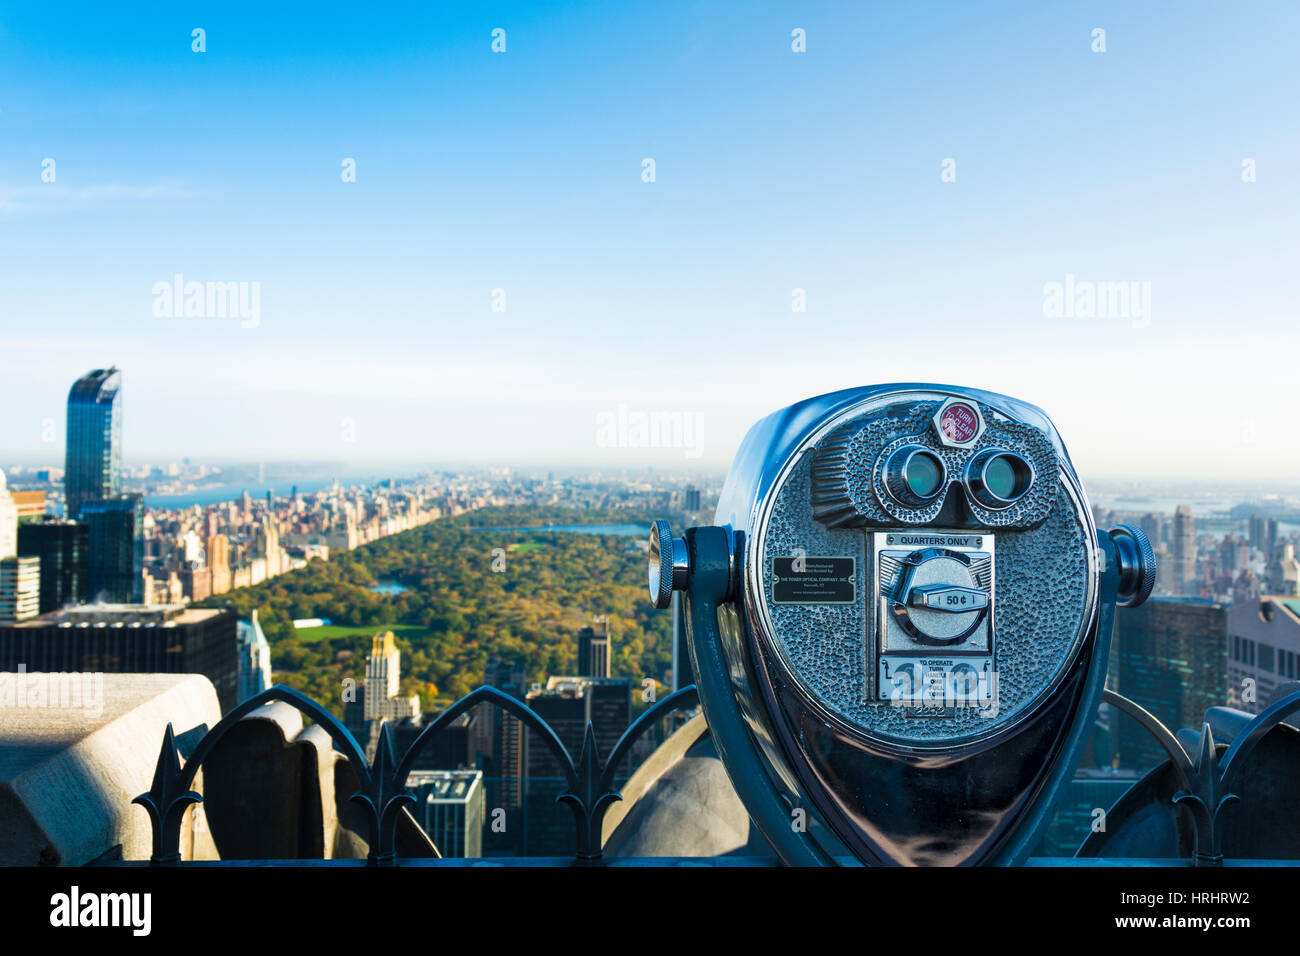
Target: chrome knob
x=939 y=599
x=1137 y=564
x=668 y=564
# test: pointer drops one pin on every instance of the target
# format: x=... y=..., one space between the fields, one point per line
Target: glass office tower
x=1171 y=656
x=64 y=549
x=94 y=449
x=115 y=564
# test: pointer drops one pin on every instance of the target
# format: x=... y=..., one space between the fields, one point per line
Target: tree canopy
x=458 y=611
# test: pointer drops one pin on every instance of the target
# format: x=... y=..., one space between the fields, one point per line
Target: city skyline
x=606 y=454
x=919 y=189
x=600 y=437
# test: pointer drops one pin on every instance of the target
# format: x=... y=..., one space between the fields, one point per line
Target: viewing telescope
x=900 y=623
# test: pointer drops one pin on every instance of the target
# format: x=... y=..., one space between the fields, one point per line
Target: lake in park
x=624 y=530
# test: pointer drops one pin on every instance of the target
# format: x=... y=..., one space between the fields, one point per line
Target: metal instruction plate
x=808 y=579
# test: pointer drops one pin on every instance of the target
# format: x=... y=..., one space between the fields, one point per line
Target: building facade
x=129 y=639
x=383 y=674
x=1184 y=550
x=594 y=649
x=20 y=588
x=1169 y=655
x=254 y=657
x=115 y=536
x=454 y=747
x=568 y=704
x=450 y=805
x=217 y=553
x=63 y=548
x=8 y=521
x=1283 y=577
x=1263 y=534
x=31 y=505
x=1263 y=649
x=503 y=750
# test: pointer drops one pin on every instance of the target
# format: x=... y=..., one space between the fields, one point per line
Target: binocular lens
x=924 y=475
x=1001 y=478
x=914 y=475
x=997 y=479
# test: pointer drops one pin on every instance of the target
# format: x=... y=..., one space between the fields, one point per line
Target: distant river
x=216 y=494
x=1202 y=506
x=626 y=530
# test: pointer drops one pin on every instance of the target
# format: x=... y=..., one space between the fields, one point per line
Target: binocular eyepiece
x=900 y=623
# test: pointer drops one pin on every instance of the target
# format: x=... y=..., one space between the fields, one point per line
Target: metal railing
x=589 y=790
x=1206 y=784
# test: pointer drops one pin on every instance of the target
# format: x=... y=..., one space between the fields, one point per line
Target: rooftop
x=104 y=615
x=450 y=786
x=96 y=385
x=574 y=686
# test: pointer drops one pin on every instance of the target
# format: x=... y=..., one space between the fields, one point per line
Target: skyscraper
x=1153 y=525
x=452 y=748
x=568 y=704
x=129 y=639
x=383 y=673
x=218 y=555
x=20 y=582
x=1258 y=529
x=1230 y=555
x=1284 y=571
x=507 y=758
x=94 y=442
x=270 y=542
x=1184 y=543
x=254 y=657
x=31 y=505
x=1263 y=649
x=8 y=522
x=115 y=530
x=1171 y=656
x=64 y=550
x=1263 y=534
x=449 y=805
x=594 y=649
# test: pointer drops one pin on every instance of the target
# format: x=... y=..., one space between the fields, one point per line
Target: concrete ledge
x=680 y=803
x=277 y=791
x=70 y=766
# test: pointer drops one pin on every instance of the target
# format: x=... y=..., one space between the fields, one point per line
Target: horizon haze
x=440 y=250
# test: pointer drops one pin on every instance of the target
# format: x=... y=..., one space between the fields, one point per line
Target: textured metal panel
x=1041 y=598
x=849 y=481
x=1041 y=602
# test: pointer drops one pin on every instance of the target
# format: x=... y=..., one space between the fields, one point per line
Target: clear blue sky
x=522 y=171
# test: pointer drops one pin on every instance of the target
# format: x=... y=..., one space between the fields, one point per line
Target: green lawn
x=309 y=634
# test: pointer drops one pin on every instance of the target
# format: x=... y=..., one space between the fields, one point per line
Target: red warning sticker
x=959 y=423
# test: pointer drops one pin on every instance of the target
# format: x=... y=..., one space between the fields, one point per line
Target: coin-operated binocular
x=900 y=623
